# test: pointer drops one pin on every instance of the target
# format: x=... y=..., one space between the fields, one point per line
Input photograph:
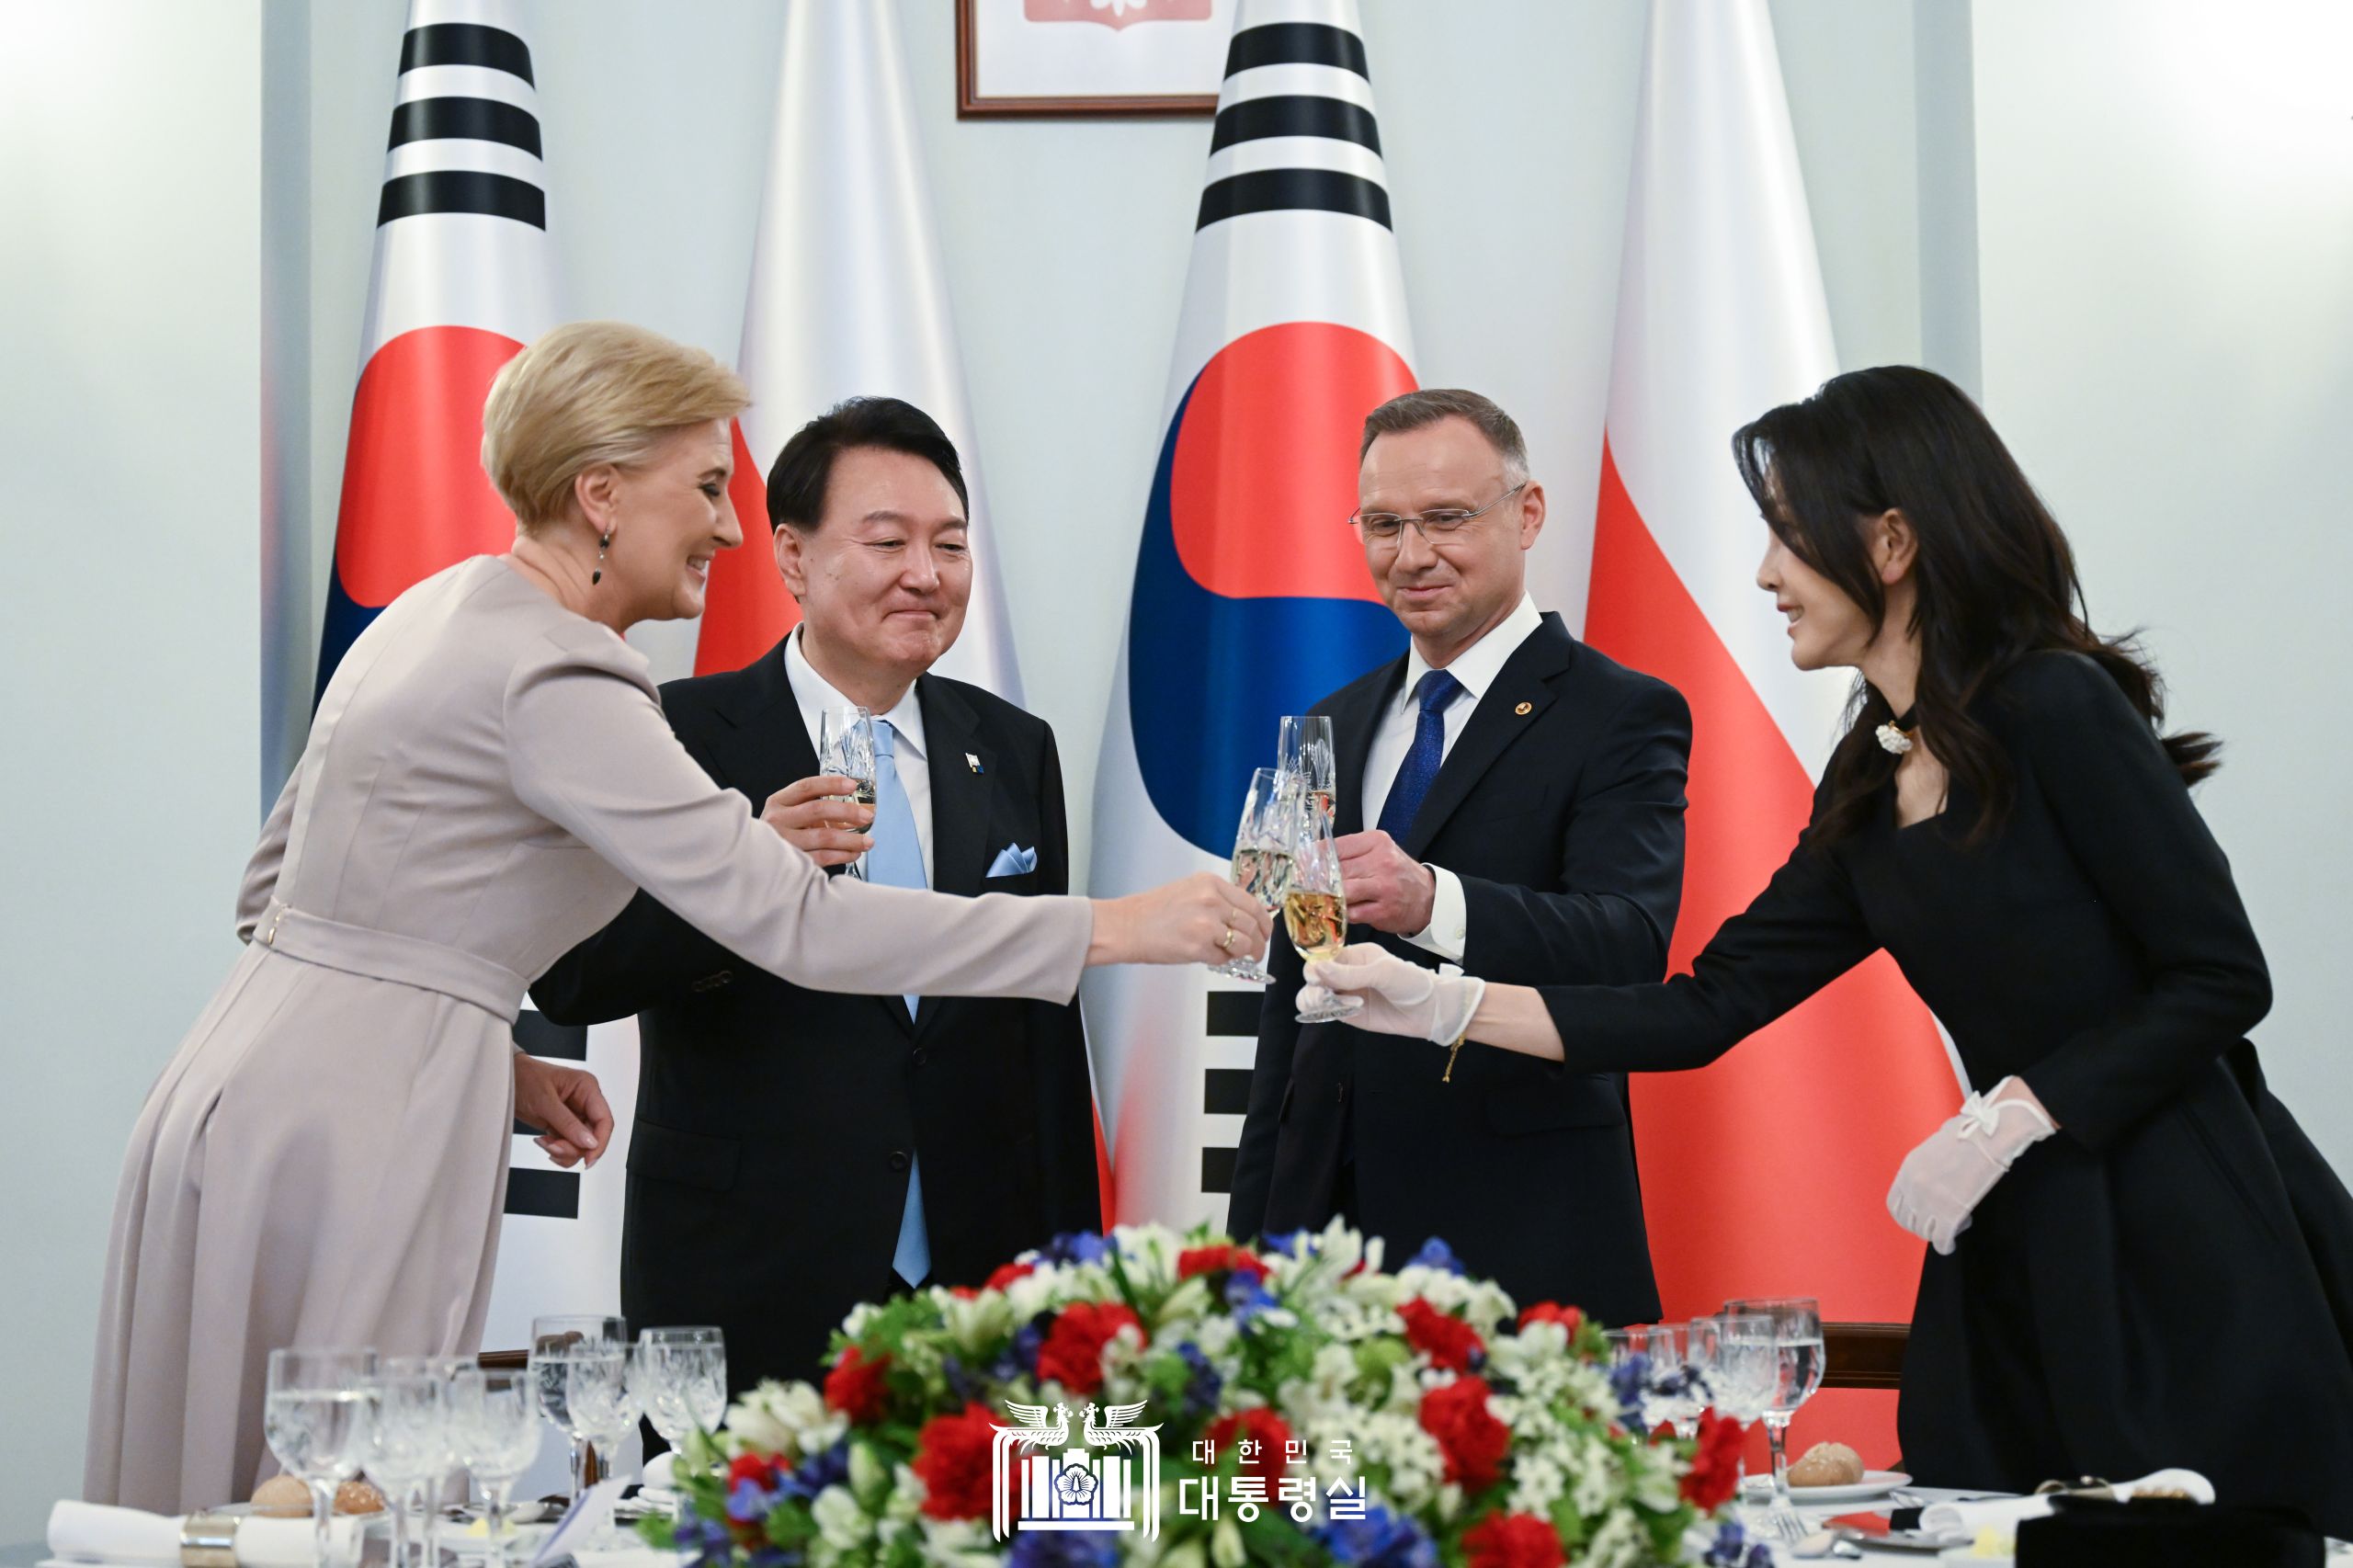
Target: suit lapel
x=772 y=746
x=1354 y=722
x=1518 y=695
x=959 y=806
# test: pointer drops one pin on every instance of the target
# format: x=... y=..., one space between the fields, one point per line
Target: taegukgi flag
x=1252 y=598
x=1765 y=1173
x=848 y=296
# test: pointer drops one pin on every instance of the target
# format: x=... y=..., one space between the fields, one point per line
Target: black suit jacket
x=1561 y=808
x=767 y=1167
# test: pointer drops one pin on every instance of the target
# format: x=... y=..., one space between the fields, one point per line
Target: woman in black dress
x=2164 y=1275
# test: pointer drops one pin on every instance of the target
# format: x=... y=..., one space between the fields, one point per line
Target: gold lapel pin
x=1525 y=709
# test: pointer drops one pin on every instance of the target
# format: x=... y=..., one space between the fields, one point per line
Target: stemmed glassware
x=1262 y=864
x=1797 y=1338
x=494 y=1418
x=1672 y=1391
x=408 y=1444
x=680 y=1380
x=846 y=747
x=1316 y=906
x=582 y=1362
x=1304 y=751
x=318 y=1412
x=1737 y=1355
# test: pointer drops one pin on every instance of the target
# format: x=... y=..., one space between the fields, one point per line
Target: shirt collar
x=1478 y=666
x=814 y=693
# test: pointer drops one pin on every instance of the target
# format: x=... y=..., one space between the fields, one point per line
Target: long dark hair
x=1995 y=579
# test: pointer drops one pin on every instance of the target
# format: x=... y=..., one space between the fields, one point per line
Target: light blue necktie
x=896 y=861
x=1419 y=770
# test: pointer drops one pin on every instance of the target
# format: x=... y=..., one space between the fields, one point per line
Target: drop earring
x=604 y=541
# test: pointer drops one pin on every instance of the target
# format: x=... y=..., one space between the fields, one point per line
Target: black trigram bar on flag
x=1296 y=112
x=466 y=111
x=1225 y=1091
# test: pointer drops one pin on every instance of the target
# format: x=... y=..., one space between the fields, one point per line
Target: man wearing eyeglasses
x=1509 y=800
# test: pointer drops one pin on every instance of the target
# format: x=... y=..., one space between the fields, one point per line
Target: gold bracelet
x=1452 y=1053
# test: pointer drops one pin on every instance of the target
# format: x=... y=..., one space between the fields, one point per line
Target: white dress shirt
x=815 y=694
x=1447 y=934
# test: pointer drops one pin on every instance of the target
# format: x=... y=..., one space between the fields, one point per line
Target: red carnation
x=1073 y=1353
x=855 y=1387
x=1715 y=1469
x=1269 y=1429
x=1447 y=1341
x=1569 y=1318
x=1220 y=1259
x=1006 y=1273
x=1513 y=1541
x=952 y=1461
x=763 y=1471
x=1470 y=1437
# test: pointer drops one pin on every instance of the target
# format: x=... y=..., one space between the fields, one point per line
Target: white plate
x=1874 y=1483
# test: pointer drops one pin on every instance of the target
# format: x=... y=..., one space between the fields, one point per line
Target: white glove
x=1399 y=998
x=1941 y=1182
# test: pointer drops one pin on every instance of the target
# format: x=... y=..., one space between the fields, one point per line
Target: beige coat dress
x=323 y=1161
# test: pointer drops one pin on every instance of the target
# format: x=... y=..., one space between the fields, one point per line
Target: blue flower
x=1076 y=1246
x=1028 y=1340
x=703 y=1539
x=960 y=1383
x=1246 y=1295
x=1629 y=1380
x=1436 y=1253
x=1202 y=1389
x=777 y=1557
x=814 y=1475
x=1732 y=1548
x=1062 y=1548
x=1290 y=1243
x=749 y=1502
x=1379 y=1539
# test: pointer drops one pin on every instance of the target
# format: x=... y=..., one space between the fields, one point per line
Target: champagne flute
x=1261 y=861
x=598 y=1403
x=408 y=1442
x=1304 y=751
x=681 y=1380
x=845 y=746
x=316 y=1415
x=1316 y=906
x=556 y=1342
x=1797 y=1333
x=494 y=1419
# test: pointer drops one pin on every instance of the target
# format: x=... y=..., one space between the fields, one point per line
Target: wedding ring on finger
x=1225 y=943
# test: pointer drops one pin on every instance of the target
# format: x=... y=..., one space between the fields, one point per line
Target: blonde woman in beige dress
x=488 y=778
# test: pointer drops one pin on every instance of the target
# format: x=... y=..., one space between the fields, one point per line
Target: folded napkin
x=1966 y=1517
x=661 y=1472
x=95 y=1532
x=1013 y=861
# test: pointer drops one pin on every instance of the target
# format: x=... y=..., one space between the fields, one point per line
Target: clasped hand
x=1940 y=1183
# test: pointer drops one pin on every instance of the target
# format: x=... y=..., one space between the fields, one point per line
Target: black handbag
x=2167 y=1532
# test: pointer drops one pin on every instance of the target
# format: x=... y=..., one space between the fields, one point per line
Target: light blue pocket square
x=1013 y=861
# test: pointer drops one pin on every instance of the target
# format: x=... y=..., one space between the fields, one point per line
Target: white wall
x=130 y=443
x=2165 y=226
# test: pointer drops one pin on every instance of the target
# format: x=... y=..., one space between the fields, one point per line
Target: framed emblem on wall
x=1043 y=58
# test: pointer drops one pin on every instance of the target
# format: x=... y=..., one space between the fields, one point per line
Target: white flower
x=843 y=1524
x=975 y=1322
x=1621 y=1542
x=1597 y=1480
x=957 y=1543
x=784 y=1418
x=1537 y=1484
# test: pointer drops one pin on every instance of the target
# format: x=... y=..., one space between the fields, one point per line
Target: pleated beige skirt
x=322 y=1165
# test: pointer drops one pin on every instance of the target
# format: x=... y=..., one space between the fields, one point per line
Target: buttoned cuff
x=1448 y=931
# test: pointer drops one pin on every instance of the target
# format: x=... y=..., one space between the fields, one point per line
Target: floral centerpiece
x=1211 y=1404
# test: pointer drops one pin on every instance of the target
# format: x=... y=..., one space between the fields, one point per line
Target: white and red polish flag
x=848 y=296
x=1766 y=1173
x=1251 y=597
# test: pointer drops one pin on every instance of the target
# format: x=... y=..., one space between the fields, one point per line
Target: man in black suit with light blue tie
x=798 y=1152
x=1509 y=800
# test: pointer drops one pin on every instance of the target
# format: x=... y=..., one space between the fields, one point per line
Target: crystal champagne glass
x=845 y=746
x=318 y=1414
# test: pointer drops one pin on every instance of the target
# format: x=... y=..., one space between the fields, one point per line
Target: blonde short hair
x=589 y=393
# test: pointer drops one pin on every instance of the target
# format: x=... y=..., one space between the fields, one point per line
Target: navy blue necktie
x=1416 y=773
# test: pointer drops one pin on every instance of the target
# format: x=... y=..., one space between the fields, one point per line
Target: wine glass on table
x=1261 y=862
x=1737 y=1353
x=846 y=747
x=318 y=1408
x=556 y=1343
x=682 y=1380
x=1797 y=1335
x=1304 y=751
x=1682 y=1387
x=408 y=1443
x=600 y=1407
x=1316 y=906
x=494 y=1422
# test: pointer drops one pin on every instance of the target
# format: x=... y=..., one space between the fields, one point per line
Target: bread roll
x=282 y=1497
x=1827 y=1465
x=358 y=1497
